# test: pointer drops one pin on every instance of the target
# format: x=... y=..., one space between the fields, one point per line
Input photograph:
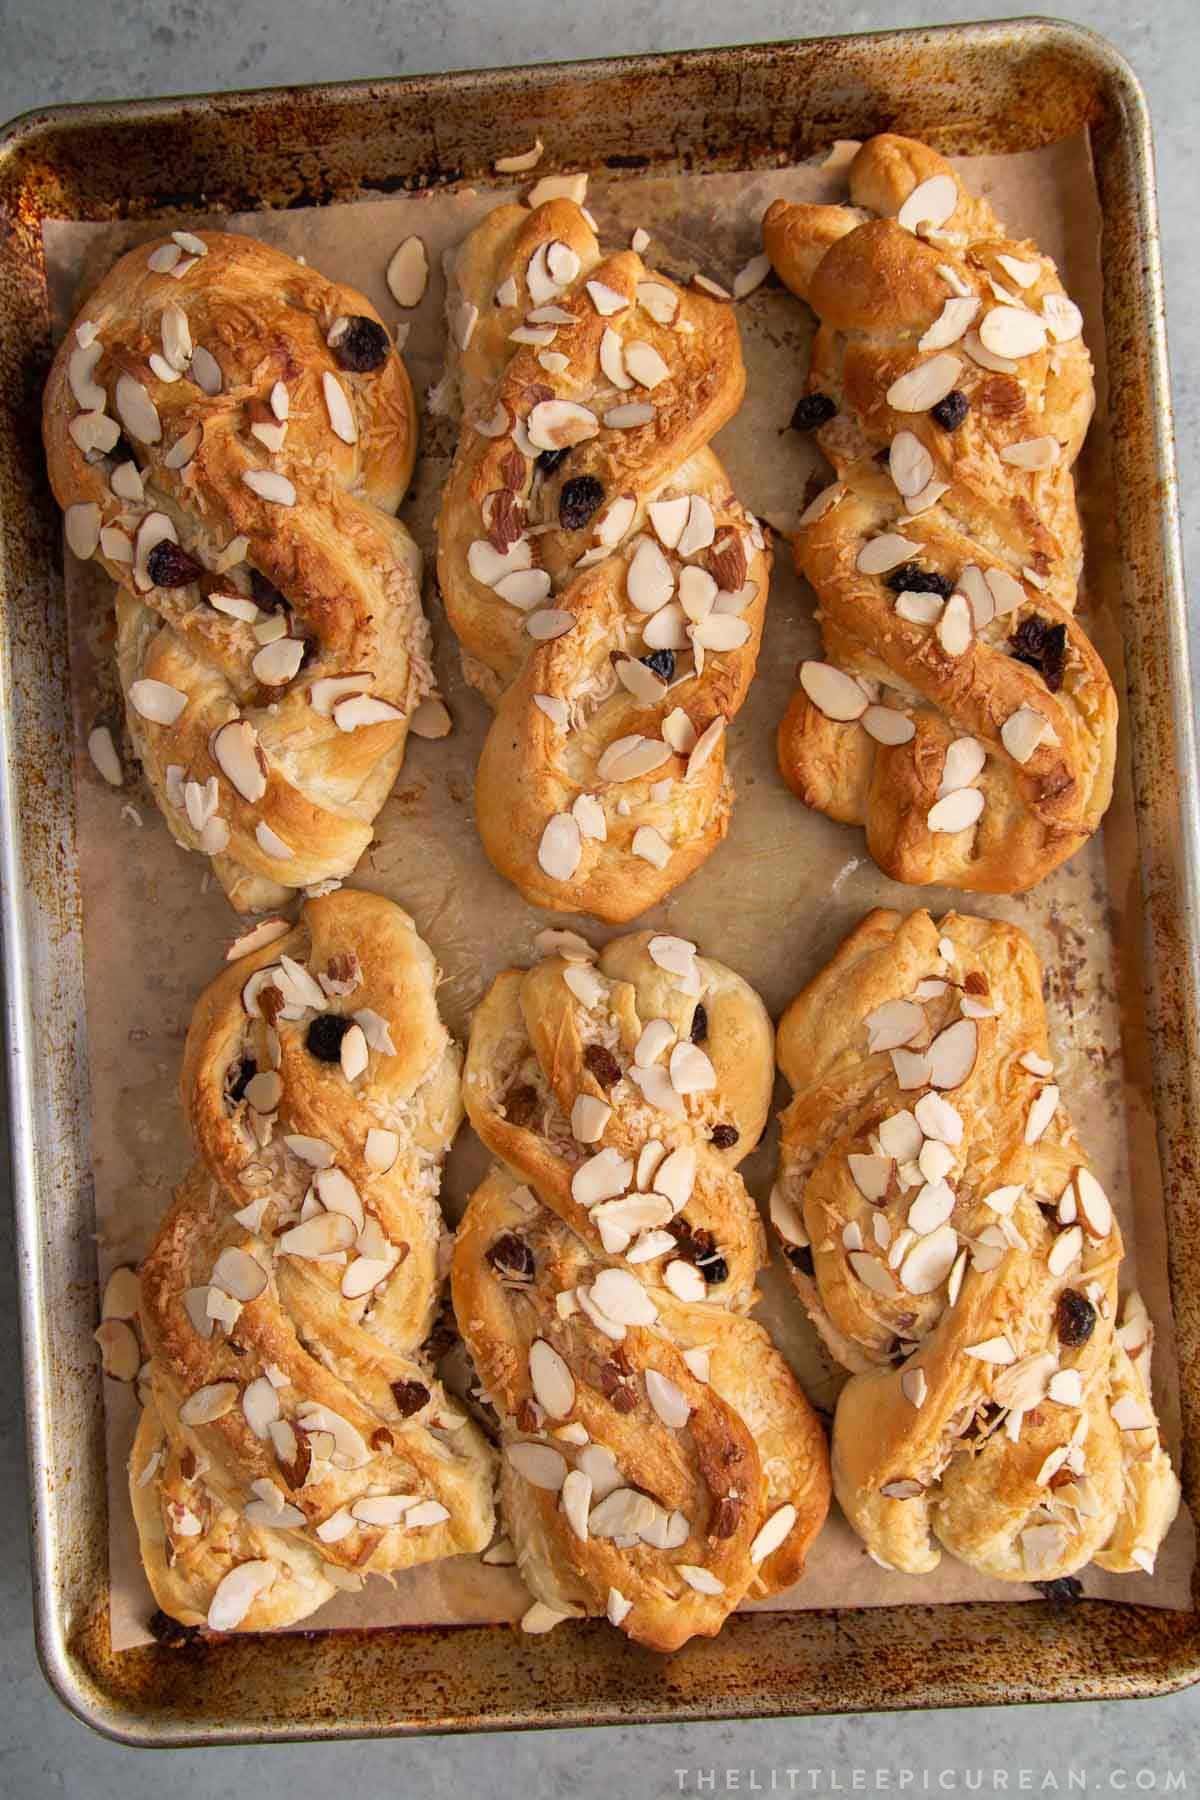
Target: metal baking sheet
x=987 y=88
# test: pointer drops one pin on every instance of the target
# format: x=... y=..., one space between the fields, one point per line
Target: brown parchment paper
x=773 y=902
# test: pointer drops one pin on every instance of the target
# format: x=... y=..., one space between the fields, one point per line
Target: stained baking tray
x=1000 y=87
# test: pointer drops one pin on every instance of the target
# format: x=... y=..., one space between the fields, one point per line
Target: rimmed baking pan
x=999 y=87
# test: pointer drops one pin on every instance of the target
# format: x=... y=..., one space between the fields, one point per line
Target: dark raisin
x=410 y=1397
x=521 y=1104
x=662 y=662
x=123 y=451
x=247 y=1069
x=1074 y=1318
x=950 y=412
x=1062 y=1590
x=911 y=578
x=363 y=346
x=169 y=566
x=713 y=1268
x=579 y=499
x=548 y=460
x=699 y=1025
x=265 y=593
x=511 y=1256
x=170 y=1633
x=1043 y=646
x=812 y=410
x=602 y=1064
x=724 y=1136
x=325 y=1036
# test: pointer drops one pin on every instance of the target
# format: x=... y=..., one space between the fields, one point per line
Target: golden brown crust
x=1003 y=535
x=336 y=570
x=309 y=1338
x=945 y=1232
x=561 y=702
x=683 y=1410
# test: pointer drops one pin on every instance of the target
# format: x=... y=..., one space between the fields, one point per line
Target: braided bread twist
x=963 y=716
x=230 y=435
x=607 y=587
x=295 y=1437
x=956 y=1253
x=660 y=1461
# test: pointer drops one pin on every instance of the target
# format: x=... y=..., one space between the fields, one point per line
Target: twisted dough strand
x=660 y=1461
x=606 y=585
x=956 y=1253
x=962 y=714
x=295 y=1437
x=270 y=639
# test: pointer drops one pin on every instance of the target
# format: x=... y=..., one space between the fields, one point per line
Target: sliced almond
x=909 y=462
x=952 y=1054
x=832 y=692
x=1012 y=332
x=551 y=1379
x=137 y=411
x=951 y=323
x=929 y=1261
x=887 y=726
x=206 y=1404
x=872 y=1273
x=954 y=627
x=1044 y=1107
x=887 y=551
x=408 y=273
x=923 y=386
x=1022 y=732
x=238 y=754
x=340 y=408
x=931 y=202
x=958 y=811
x=559 y=424
x=157 y=701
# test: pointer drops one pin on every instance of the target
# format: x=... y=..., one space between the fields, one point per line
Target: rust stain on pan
x=977 y=88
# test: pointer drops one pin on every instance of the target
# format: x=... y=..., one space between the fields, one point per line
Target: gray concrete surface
x=57 y=50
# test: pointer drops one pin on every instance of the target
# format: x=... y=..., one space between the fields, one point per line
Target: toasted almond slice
x=1022 y=732
x=157 y=701
x=923 y=386
x=992 y=1350
x=408 y=273
x=954 y=627
x=872 y=1273
x=832 y=692
x=1095 y=1208
x=887 y=551
x=1044 y=1107
x=236 y=1593
x=559 y=424
x=685 y=1281
x=951 y=323
x=931 y=202
x=887 y=726
x=1032 y=453
x=1064 y=320
x=952 y=1054
x=120 y=1352
x=552 y=1381
x=909 y=462
x=340 y=408
x=958 y=811
x=893 y=1023
x=650 y=579
x=1012 y=332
